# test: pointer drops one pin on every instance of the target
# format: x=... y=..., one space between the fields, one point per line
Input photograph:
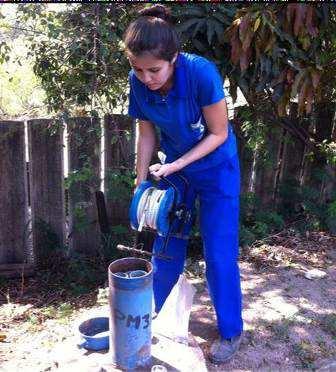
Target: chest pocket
x=198 y=128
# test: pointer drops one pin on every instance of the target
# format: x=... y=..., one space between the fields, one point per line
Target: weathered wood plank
x=84 y=178
x=13 y=196
x=245 y=157
x=246 y=162
x=16 y=270
x=267 y=168
x=46 y=186
x=119 y=159
x=293 y=160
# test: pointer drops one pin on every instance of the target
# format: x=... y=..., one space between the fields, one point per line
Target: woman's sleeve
x=209 y=84
x=134 y=108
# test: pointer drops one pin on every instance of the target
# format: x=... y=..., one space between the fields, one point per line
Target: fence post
x=45 y=141
x=84 y=179
x=13 y=197
x=119 y=157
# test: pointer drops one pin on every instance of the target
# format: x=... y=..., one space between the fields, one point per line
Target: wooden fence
x=34 y=217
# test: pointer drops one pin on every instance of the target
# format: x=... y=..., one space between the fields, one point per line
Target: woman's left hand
x=163 y=170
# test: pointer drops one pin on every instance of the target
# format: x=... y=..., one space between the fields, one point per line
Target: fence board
x=47 y=186
x=84 y=172
x=293 y=159
x=13 y=197
x=267 y=168
x=16 y=270
x=245 y=156
x=246 y=160
x=119 y=157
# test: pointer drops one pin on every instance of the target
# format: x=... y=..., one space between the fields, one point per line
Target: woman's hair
x=152 y=32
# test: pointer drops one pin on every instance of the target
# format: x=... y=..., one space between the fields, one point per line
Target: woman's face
x=153 y=72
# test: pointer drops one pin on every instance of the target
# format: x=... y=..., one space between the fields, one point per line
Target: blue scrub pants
x=218 y=191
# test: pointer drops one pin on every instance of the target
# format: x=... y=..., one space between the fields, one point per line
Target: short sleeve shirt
x=178 y=116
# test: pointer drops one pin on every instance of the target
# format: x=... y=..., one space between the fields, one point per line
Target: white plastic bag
x=173 y=319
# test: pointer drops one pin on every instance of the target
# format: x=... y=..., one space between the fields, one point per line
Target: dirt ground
x=289 y=319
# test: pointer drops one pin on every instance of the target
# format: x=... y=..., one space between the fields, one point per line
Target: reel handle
x=162 y=254
x=165 y=179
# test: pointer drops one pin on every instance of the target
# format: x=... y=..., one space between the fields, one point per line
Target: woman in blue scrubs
x=182 y=95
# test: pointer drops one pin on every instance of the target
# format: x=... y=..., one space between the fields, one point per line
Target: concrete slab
x=175 y=356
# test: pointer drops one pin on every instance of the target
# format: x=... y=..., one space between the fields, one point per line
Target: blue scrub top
x=197 y=83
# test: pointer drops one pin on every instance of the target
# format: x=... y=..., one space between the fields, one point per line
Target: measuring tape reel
x=160 y=210
x=153 y=208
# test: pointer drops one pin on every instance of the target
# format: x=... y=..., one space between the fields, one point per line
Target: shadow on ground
x=289 y=320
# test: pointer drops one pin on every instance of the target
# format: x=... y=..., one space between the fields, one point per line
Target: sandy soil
x=290 y=320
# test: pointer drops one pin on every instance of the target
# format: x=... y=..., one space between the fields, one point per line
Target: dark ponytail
x=152 y=32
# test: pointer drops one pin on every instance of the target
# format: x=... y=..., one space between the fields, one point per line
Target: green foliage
x=108 y=247
x=255 y=223
x=51 y=243
x=78 y=54
x=275 y=54
x=301 y=205
x=83 y=180
x=119 y=184
x=328 y=148
x=82 y=221
x=4 y=52
x=331 y=217
x=20 y=93
x=290 y=194
x=76 y=275
x=4 y=47
x=294 y=202
x=271 y=51
x=3 y=281
x=81 y=183
x=280 y=56
x=304 y=203
x=252 y=128
x=255 y=133
x=64 y=310
x=82 y=274
x=202 y=27
x=84 y=176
